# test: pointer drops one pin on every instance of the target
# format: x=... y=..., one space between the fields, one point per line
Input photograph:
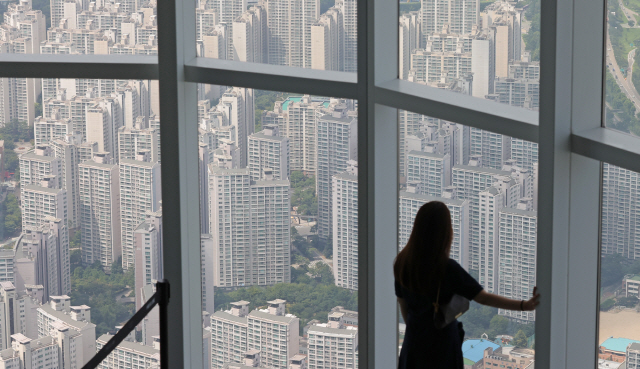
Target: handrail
x=160 y=298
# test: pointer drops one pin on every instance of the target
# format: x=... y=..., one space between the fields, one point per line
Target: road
x=630 y=14
x=625 y=85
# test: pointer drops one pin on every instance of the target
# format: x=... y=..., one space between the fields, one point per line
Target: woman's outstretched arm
x=497 y=301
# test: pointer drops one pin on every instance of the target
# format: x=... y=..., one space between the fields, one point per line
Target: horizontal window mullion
x=607 y=145
x=272 y=77
x=78 y=66
x=463 y=109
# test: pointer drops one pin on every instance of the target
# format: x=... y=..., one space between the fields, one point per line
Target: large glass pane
x=80 y=218
x=487 y=49
x=279 y=205
x=79 y=27
x=489 y=183
x=318 y=34
x=622 y=75
x=619 y=329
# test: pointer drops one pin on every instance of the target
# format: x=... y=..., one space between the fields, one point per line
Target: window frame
x=572 y=145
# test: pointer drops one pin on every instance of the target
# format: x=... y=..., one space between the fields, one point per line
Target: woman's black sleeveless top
x=425 y=346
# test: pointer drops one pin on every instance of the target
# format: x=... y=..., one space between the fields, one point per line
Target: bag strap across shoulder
x=436 y=304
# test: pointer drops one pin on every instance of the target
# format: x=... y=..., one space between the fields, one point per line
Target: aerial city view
x=81 y=208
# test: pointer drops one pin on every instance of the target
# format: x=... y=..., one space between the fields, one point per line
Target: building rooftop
x=427 y=198
x=262 y=136
x=349 y=331
x=634 y=278
x=279 y=182
x=223 y=315
x=278 y=318
x=634 y=346
x=8 y=354
x=131 y=346
x=296 y=99
x=65 y=318
x=481 y=169
x=32 y=155
x=42 y=189
x=139 y=163
x=474 y=349
x=346 y=176
x=425 y=154
x=519 y=212
x=617 y=344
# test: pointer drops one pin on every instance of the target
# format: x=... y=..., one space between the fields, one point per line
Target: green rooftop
x=290 y=99
x=635 y=278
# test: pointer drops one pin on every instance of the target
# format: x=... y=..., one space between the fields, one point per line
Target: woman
x=423 y=271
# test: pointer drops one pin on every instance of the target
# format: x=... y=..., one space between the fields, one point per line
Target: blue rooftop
x=474 y=349
x=618 y=344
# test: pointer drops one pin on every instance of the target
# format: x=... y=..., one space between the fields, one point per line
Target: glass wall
x=279 y=222
x=487 y=49
x=317 y=34
x=489 y=183
x=81 y=219
x=621 y=95
x=619 y=330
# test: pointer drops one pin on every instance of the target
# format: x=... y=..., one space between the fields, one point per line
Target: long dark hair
x=422 y=262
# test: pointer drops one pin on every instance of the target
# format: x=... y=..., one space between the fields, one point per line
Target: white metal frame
x=572 y=144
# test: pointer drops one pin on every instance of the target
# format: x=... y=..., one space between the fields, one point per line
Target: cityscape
x=81 y=208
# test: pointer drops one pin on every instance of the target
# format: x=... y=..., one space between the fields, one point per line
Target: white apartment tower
x=132 y=355
x=411 y=201
x=333 y=345
x=71 y=152
x=148 y=252
x=42 y=258
x=229 y=334
x=289 y=24
x=250 y=36
x=349 y=11
x=431 y=170
x=59 y=314
x=620 y=220
x=99 y=201
x=39 y=164
x=274 y=333
x=268 y=152
x=337 y=144
x=345 y=227
x=139 y=194
x=459 y=15
x=517 y=248
x=41 y=201
x=256 y=248
x=133 y=140
x=48 y=130
x=494 y=148
x=409 y=40
x=327 y=41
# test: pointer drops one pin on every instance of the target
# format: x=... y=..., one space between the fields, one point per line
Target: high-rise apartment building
x=494 y=148
x=148 y=252
x=274 y=333
x=99 y=202
x=459 y=15
x=268 y=153
x=337 y=144
x=48 y=130
x=41 y=201
x=431 y=170
x=333 y=344
x=349 y=11
x=249 y=35
x=71 y=151
x=327 y=41
x=620 y=214
x=58 y=314
x=229 y=334
x=42 y=258
x=132 y=355
x=18 y=312
x=517 y=255
x=345 y=227
x=133 y=140
x=208 y=262
x=250 y=226
x=469 y=181
x=411 y=201
x=289 y=24
x=139 y=194
x=38 y=164
x=409 y=40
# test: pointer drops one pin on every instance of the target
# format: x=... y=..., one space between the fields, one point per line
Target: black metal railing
x=160 y=298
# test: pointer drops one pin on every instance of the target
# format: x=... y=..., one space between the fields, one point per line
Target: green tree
x=75 y=259
x=76 y=240
x=498 y=325
x=520 y=339
x=13 y=216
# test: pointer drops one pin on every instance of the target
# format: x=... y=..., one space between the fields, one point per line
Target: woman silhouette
x=424 y=274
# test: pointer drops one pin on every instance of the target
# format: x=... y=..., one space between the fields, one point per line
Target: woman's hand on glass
x=534 y=301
